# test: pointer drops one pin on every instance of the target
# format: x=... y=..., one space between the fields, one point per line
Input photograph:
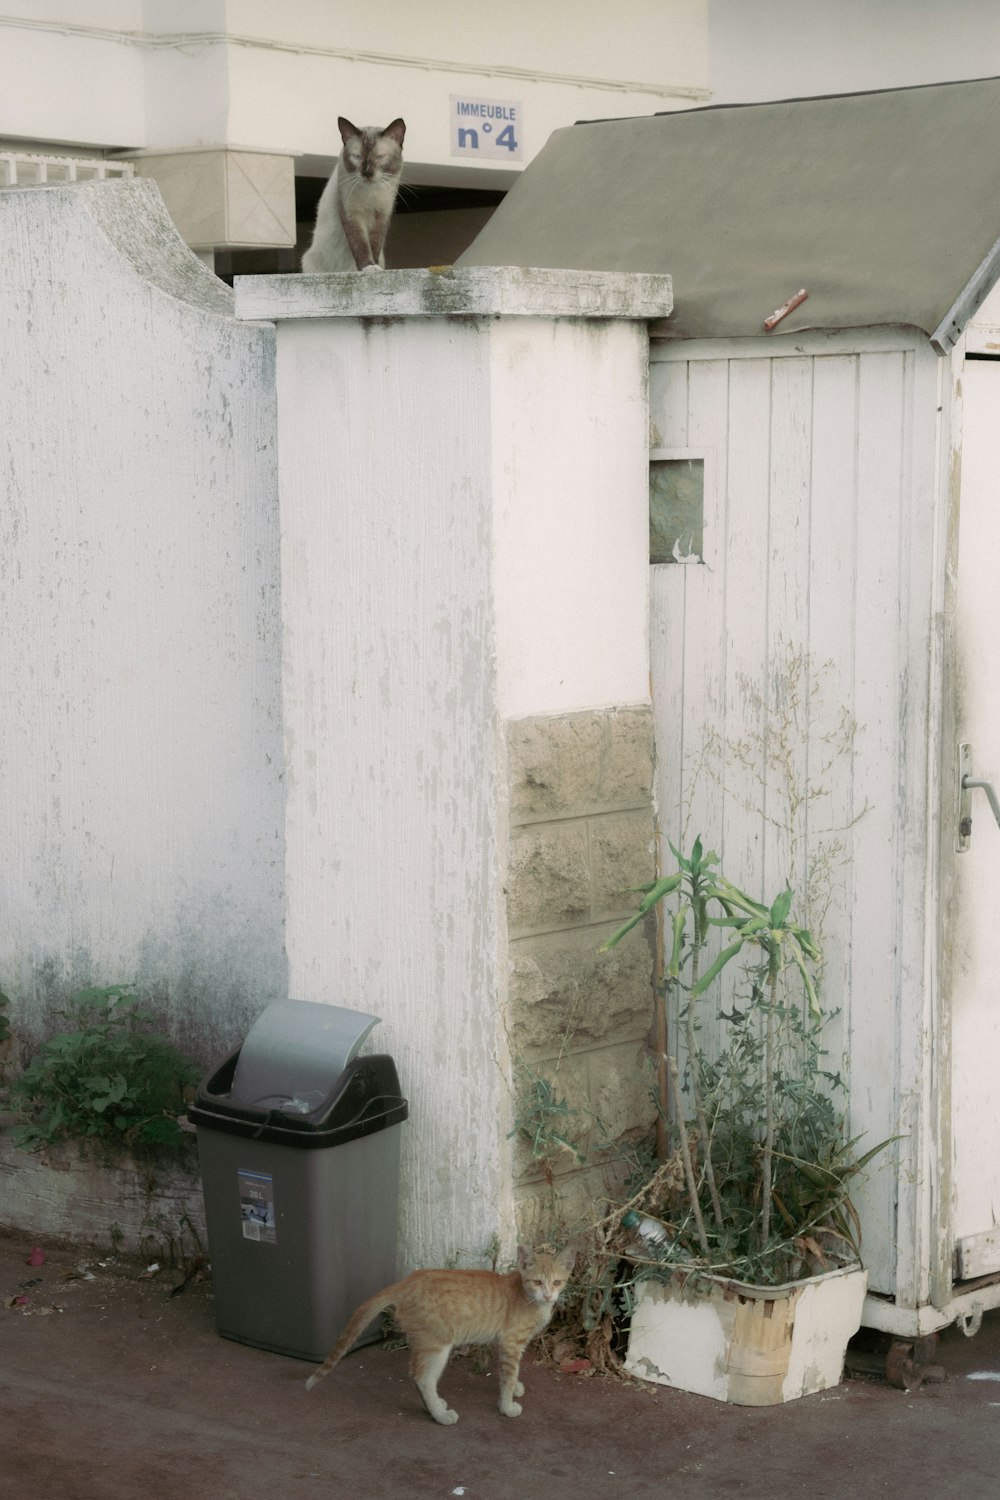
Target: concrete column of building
x=464 y=524
x=222 y=199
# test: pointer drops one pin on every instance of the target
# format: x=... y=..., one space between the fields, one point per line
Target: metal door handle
x=968 y=783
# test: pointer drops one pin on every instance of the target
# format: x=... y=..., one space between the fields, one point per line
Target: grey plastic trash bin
x=298 y=1142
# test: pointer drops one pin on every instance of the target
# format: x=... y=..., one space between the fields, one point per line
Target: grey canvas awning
x=885 y=207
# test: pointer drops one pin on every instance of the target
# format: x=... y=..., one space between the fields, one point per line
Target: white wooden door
x=793 y=699
x=976 y=987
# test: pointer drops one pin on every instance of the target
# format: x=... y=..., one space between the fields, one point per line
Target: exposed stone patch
x=562 y=990
x=550 y=883
x=575 y=763
x=582 y=840
x=546 y=1156
x=546 y=1212
x=618 y=1087
x=621 y=858
x=604 y=1097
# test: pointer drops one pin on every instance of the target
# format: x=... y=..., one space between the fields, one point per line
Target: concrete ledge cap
x=130 y=217
x=449 y=291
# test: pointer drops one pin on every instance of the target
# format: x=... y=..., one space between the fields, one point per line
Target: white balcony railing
x=32 y=168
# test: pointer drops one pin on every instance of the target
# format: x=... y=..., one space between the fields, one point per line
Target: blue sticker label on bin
x=257 y=1206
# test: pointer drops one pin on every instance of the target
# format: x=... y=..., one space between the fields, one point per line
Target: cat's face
x=371 y=153
x=544 y=1276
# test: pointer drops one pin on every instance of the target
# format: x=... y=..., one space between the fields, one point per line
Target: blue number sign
x=486 y=128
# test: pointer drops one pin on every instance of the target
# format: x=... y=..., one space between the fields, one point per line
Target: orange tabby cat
x=438 y=1309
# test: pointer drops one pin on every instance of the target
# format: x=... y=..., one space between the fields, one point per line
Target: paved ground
x=125 y=1393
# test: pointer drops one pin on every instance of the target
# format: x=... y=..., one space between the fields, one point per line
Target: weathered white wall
x=140 y=744
x=433 y=431
x=821 y=596
x=390 y=750
x=61 y=1193
x=976 y=871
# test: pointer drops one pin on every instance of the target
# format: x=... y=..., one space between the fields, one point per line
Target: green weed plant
x=106 y=1076
x=758 y=1122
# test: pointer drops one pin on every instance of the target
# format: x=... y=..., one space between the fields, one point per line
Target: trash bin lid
x=294 y=1053
x=364 y=1100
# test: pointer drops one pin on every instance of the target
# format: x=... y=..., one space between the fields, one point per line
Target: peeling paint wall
x=390 y=743
x=140 y=744
x=975 y=874
x=797 y=690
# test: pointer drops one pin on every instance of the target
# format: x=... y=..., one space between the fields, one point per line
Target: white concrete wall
x=557 y=69
x=652 y=43
x=568 y=427
x=140 y=748
x=76 y=88
x=446 y=485
x=390 y=750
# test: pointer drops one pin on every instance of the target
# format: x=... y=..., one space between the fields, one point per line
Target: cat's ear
x=347 y=130
x=396 y=130
x=568 y=1256
x=524 y=1258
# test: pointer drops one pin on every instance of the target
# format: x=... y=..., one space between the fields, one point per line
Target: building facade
x=232 y=105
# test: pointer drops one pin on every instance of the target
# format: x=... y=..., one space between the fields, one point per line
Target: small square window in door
x=676 y=510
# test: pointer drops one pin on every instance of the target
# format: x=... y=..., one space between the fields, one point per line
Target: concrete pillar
x=223 y=199
x=463 y=492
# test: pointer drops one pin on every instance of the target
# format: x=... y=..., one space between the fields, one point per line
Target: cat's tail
x=355 y=1328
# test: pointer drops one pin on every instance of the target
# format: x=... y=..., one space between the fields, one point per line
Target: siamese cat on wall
x=353 y=215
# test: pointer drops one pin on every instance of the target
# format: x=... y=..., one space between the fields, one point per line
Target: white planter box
x=752 y=1346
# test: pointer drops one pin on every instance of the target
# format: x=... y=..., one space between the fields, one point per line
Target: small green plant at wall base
x=4 y=1023
x=543 y=1122
x=105 y=1076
